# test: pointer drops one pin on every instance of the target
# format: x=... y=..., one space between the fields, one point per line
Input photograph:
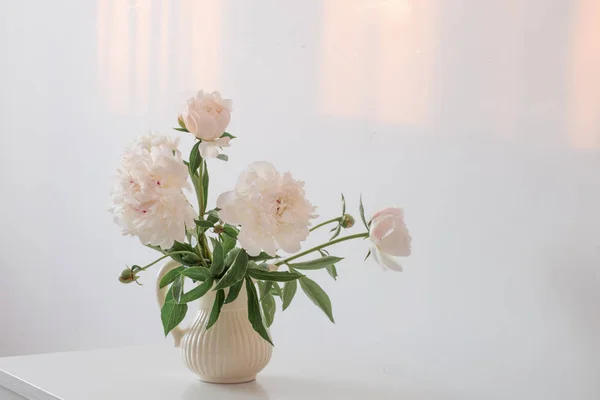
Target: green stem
x=203 y=261
x=197 y=181
x=205 y=246
x=165 y=256
x=337 y=219
x=322 y=246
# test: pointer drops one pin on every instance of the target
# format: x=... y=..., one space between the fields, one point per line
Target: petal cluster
x=147 y=197
x=271 y=209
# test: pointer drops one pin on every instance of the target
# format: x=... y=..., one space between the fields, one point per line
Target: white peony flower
x=147 y=197
x=206 y=116
x=271 y=208
x=390 y=237
x=147 y=142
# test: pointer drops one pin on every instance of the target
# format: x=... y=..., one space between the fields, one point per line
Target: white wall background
x=481 y=118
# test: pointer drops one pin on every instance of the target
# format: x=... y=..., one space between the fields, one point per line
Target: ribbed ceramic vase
x=230 y=351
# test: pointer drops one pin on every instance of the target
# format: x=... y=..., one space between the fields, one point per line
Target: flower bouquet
x=231 y=254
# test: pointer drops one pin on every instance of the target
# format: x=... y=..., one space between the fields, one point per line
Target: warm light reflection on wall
x=584 y=76
x=377 y=60
x=149 y=48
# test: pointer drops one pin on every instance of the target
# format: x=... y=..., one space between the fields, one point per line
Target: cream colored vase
x=230 y=351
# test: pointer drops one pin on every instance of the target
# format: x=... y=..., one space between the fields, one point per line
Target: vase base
x=213 y=379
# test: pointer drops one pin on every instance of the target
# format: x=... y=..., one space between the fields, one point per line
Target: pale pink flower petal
x=201 y=121
x=210 y=148
x=226 y=202
x=390 y=237
x=248 y=243
x=398 y=212
x=385 y=261
x=397 y=242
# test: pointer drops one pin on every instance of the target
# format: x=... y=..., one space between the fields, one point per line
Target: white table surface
x=158 y=373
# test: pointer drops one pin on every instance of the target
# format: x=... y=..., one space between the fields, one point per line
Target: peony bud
x=206 y=116
x=127 y=276
x=218 y=229
x=180 y=121
x=347 y=221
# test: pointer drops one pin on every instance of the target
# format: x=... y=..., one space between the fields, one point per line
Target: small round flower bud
x=347 y=221
x=127 y=276
x=218 y=229
x=180 y=121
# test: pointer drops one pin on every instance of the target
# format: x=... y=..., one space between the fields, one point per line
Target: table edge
x=24 y=388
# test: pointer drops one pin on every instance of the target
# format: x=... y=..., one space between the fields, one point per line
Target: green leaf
x=236 y=271
x=261 y=288
x=263 y=266
x=230 y=257
x=212 y=216
x=317 y=295
x=196 y=273
x=264 y=288
x=204 y=224
x=135 y=268
x=218 y=264
x=181 y=129
x=223 y=157
x=268 y=306
x=198 y=291
x=229 y=135
x=289 y=290
x=171 y=315
x=343 y=204
x=195 y=159
x=278 y=276
x=230 y=231
x=276 y=290
x=317 y=264
x=216 y=309
x=338 y=229
x=228 y=243
x=169 y=296
x=169 y=276
x=367 y=256
x=178 y=246
x=361 y=210
x=332 y=270
x=254 y=315
x=190 y=259
x=262 y=257
x=234 y=291
x=177 y=289
x=185 y=259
